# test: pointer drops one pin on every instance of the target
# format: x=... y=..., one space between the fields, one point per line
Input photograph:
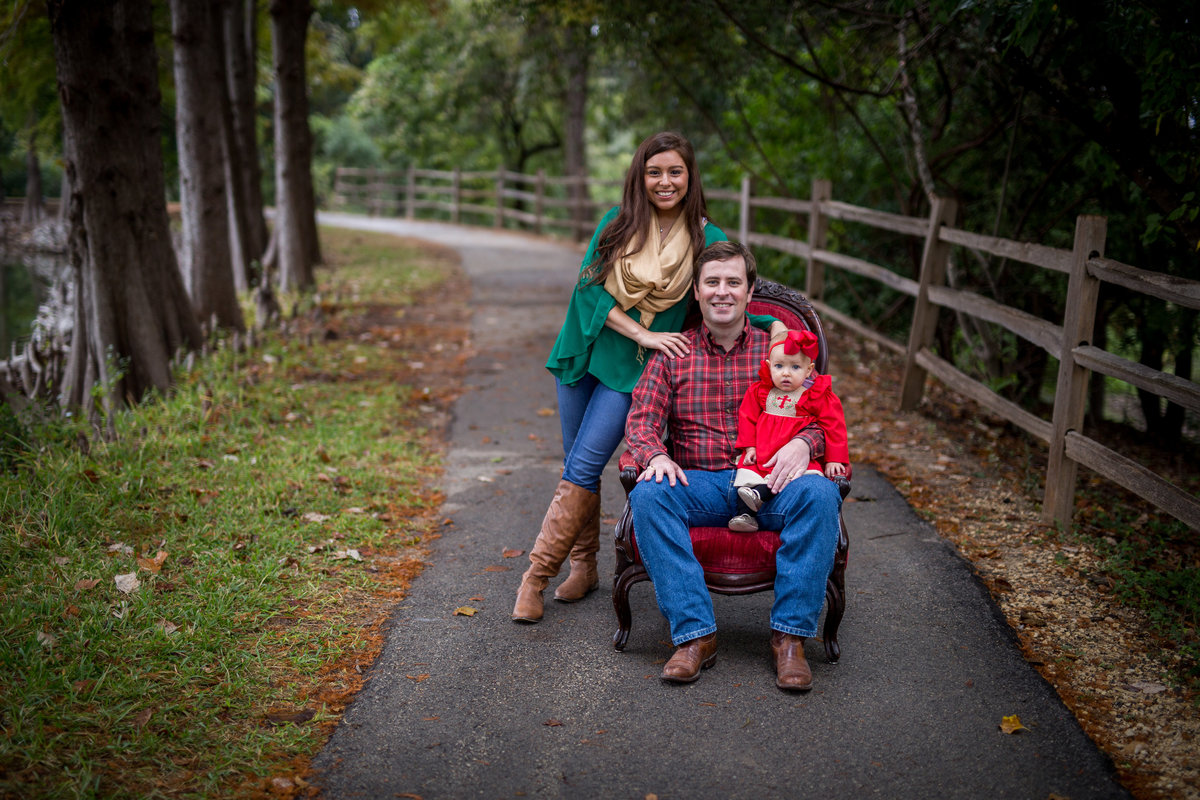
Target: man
x=682 y=426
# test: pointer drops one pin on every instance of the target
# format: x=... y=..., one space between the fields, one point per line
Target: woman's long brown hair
x=633 y=219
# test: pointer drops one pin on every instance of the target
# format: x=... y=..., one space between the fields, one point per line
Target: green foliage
x=469 y=87
x=1153 y=567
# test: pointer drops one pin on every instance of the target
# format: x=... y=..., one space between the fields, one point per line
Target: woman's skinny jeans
x=593 y=424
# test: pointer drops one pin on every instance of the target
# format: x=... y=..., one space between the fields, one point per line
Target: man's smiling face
x=723 y=293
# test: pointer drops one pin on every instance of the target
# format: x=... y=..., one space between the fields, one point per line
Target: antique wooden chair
x=737 y=563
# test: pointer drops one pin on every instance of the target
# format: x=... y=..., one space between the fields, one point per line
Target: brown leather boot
x=791 y=667
x=564 y=519
x=691 y=657
x=584 y=577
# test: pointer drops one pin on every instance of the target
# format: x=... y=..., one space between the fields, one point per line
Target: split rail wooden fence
x=540 y=203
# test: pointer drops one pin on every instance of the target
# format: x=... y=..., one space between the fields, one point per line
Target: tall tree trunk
x=199 y=92
x=575 y=60
x=241 y=48
x=34 y=208
x=231 y=152
x=131 y=312
x=295 y=200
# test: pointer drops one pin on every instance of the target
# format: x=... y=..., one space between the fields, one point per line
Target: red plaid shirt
x=687 y=408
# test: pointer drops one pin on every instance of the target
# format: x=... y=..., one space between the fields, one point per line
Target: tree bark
x=131 y=313
x=575 y=60
x=241 y=48
x=295 y=200
x=34 y=208
x=199 y=96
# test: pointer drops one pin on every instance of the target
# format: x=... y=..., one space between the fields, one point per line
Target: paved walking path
x=928 y=666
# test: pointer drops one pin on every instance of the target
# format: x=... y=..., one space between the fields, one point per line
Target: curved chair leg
x=620 y=596
x=835 y=597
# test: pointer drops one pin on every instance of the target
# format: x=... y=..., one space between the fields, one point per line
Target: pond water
x=25 y=283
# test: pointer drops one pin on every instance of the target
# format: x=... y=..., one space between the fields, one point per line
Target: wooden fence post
x=924 y=320
x=455 y=195
x=410 y=192
x=818 y=235
x=539 y=201
x=338 y=199
x=1079 y=324
x=745 y=212
x=499 y=220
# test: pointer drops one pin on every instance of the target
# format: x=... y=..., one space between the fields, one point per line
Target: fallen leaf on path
x=552 y=723
x=545 y=412
x=1011 y=724
x=511 y=553
x=465 y=611
x=418 y=678
x=497 y=568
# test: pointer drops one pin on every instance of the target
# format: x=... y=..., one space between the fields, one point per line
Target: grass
x=269 y=487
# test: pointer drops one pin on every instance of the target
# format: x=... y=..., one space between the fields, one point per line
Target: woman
x=632 y=296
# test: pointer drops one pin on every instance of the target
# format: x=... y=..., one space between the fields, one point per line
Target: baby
x=786 y=399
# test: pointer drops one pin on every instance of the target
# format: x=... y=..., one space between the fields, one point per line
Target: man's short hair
x=723 y=251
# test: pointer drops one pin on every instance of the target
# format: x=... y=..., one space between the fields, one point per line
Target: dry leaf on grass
x=127 y=583
x=153 y=564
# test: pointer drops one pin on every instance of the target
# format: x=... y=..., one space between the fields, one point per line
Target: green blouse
x=585 y=345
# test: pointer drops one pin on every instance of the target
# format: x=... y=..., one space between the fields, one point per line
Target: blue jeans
x=805 y=513
x=593 y=424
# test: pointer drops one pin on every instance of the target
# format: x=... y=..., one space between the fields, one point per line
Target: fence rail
x=550 y=203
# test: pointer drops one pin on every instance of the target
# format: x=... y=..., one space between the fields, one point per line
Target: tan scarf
x=656 y=277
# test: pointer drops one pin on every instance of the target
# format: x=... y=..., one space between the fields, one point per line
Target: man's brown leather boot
x=791 y=667
x=691 y=657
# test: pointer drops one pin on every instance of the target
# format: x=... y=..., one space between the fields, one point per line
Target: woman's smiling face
x=666 y=181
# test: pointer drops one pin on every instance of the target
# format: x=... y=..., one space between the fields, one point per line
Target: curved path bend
x=928 y=668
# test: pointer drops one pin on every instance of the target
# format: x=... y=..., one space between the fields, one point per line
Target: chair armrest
x=629 y=471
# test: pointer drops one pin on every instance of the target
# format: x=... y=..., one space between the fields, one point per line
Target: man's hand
x=788 y=463
x=661 y=465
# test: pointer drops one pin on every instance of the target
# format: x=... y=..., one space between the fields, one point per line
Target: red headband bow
x=800 y=342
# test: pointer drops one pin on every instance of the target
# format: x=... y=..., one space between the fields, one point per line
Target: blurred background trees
x=1027 y=112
